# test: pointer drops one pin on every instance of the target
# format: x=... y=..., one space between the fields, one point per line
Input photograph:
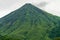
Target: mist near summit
x=51 y=6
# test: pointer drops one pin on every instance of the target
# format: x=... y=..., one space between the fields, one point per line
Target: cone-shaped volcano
x=28 y=23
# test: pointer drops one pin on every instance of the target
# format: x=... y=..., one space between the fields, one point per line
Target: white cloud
x=6 y=6
x=54 y=7
x=4 y=12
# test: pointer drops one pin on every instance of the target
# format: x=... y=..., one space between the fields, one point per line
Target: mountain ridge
x=28 y=23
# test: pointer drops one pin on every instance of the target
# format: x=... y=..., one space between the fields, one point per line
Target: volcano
x=29 y=23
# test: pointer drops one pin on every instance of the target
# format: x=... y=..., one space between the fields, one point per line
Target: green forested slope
x=29 y=23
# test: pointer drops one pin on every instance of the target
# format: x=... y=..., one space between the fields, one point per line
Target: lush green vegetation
x=29 y=23
x=57 y=38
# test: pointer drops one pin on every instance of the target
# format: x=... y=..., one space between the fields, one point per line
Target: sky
x=51 y=6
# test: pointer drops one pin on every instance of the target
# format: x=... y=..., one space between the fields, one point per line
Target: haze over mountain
x=51 y=6
x=29 y=23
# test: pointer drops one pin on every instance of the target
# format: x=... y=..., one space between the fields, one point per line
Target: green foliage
x=57 y=38
x=28 y=23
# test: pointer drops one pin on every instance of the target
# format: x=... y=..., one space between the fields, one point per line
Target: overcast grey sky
x=6 y=6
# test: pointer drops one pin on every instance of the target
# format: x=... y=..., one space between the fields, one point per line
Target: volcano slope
x=29 y=23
